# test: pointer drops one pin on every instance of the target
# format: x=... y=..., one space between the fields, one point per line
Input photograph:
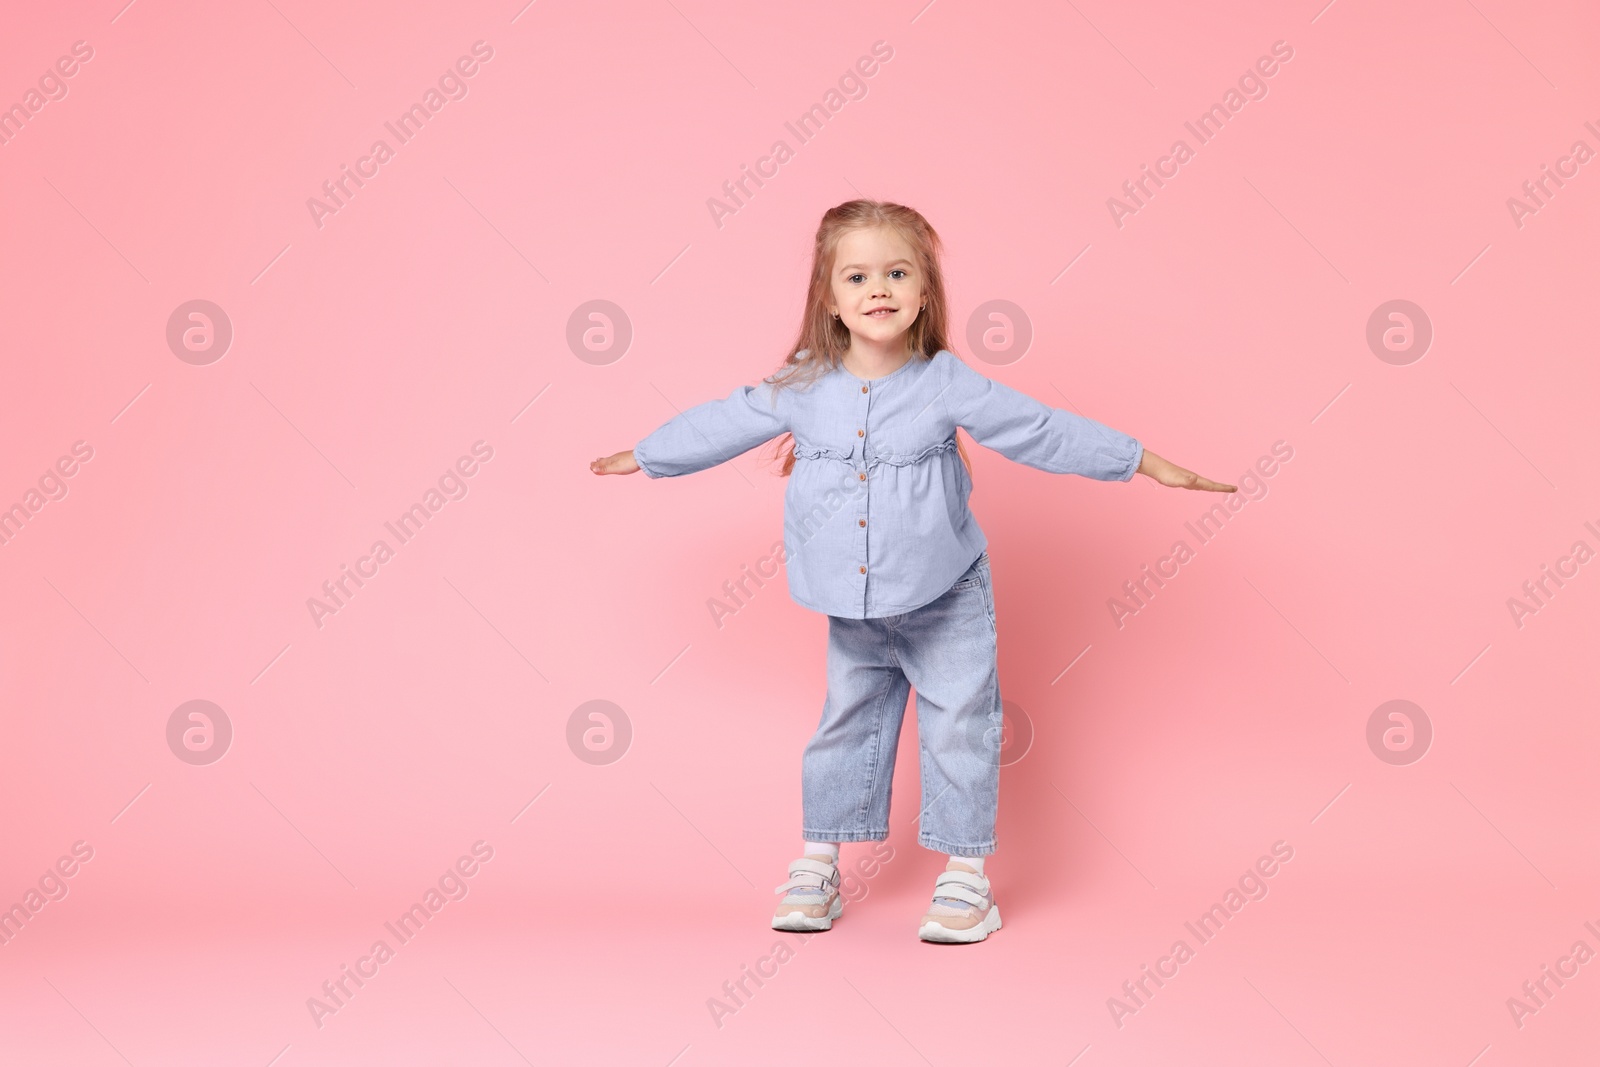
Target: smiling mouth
x=881 y=313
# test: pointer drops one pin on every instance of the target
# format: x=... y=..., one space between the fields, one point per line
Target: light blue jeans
x=946 y=651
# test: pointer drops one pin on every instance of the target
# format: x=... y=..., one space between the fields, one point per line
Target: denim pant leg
x=948 y=652
x=847 y=769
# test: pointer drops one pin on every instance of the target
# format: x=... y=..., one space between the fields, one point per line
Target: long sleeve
x=714 y=432
x=1023 y=429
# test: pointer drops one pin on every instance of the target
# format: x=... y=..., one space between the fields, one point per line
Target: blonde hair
x=824 y=338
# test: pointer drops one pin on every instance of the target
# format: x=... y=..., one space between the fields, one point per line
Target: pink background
x=431 y=312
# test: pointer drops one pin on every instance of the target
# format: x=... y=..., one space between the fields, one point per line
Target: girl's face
x=877 y=288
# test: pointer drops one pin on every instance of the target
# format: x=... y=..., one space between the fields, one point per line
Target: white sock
x=975 y=862
x=818 y=848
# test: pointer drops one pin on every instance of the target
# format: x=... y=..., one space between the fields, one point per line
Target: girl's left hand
x=1171 y=474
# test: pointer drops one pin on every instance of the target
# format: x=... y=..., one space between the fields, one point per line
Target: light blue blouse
x=876 y=520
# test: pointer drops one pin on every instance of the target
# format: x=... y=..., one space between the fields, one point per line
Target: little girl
x=878 y=536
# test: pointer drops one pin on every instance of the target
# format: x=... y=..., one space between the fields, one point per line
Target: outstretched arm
x=705 y=435
x=1029 y=431
x=1032 y=432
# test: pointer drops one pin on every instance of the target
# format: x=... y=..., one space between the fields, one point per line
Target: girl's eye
x=897 y=270
x=853 y=277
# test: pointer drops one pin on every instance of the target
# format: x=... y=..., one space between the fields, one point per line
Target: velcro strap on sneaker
x=826 y=870
x=977 y=882
x=953 y=891
x=803 y=880
x=810 y=874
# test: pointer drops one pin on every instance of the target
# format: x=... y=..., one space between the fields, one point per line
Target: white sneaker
x=963 y=907
x=811 y=900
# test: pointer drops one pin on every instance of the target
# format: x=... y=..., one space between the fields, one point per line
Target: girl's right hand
x=621 y=463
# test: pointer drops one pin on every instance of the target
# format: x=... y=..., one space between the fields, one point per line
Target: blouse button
x=861 y=433
x=863 y=476
x=863 y=570
x=863 y=522
x=863 y=388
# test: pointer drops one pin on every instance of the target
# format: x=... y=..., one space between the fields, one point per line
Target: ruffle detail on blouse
x=873 y=457
x=816 y=452
x=906 y=459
